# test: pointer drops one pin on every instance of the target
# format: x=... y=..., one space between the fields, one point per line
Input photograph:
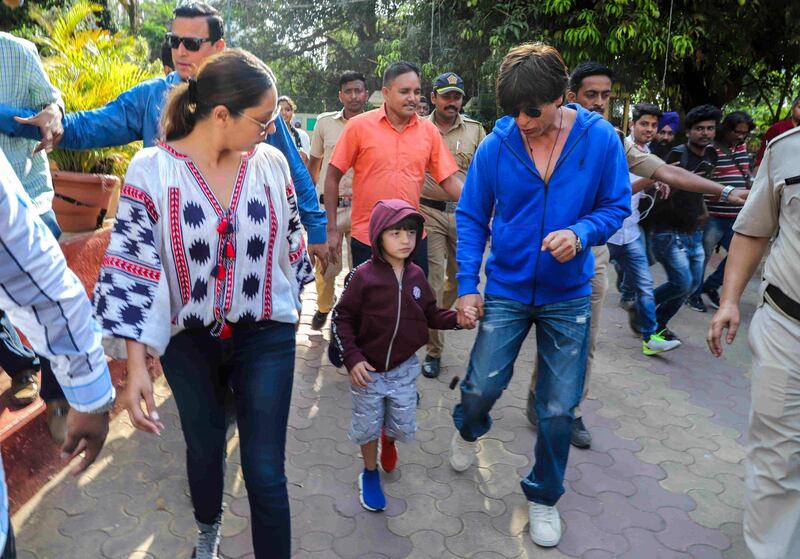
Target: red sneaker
x=388 y=454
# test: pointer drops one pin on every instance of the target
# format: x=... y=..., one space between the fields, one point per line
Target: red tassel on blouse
x=229 y=252
x=226 y=332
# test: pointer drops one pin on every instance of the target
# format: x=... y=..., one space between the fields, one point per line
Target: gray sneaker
x=208 y=536
x=581 y=437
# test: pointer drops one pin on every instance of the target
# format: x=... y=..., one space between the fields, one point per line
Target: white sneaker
x=658 y=344
x=462 y=453
x=545 y=525
x=207 y=544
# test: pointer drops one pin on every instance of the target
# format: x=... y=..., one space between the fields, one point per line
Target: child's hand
x=359 y=375
x=471 y=316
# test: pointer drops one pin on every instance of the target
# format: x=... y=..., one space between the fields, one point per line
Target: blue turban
x=671 y=119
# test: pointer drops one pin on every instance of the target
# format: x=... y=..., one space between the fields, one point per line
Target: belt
x=344 y=201
x=441 y=205
x=783 y=302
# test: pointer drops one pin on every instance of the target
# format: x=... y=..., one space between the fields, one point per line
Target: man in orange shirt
x=389 y=149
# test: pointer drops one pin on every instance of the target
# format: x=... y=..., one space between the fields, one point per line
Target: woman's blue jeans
x=258 y=364
x=683 y=257
x=562 y=340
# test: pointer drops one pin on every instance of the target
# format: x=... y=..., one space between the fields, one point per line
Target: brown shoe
x=24 y=388
x=57 y=411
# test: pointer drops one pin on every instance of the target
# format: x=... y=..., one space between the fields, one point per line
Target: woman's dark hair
x=201 y=9
x=398 y=69
x=586 y=69
x=530 y=74
x=700 y=114
x=732 y=120
x=233 y=78
x=645 y=109
x=351 y=76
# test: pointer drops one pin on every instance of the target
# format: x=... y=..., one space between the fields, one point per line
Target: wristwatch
x=578 y=243
x=107 y=407
x=723 y=196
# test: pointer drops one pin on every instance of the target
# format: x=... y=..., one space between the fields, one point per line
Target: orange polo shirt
x=387 y=163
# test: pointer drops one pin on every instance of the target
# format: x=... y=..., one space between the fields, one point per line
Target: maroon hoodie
x=382 y=320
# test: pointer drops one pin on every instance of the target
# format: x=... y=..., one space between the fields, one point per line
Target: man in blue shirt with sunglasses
x=197 y=32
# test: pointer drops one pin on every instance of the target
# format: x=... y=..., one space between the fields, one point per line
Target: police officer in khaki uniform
x=329 y=126
x=772 y=470
x=462 y=136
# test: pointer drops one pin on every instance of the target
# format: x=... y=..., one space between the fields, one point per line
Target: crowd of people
x=220 y=225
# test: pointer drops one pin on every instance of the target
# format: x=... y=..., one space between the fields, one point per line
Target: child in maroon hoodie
x=380 y=322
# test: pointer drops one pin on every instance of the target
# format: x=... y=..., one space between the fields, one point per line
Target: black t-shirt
x=683 y=211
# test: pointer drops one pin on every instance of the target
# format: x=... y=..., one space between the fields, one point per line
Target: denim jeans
x=717 y=232
x=682 y=256
x=633 y=261
x=562 y=340
x=360 y=253
x=258 y=364
x=14 y=356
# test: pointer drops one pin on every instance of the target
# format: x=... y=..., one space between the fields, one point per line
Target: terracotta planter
x=82 y=200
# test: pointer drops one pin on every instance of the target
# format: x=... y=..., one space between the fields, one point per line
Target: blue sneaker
x=369 y=490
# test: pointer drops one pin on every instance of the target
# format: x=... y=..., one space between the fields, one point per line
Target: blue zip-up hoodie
x=136 y=115
x=589 y=192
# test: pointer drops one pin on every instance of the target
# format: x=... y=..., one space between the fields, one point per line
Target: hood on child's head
x=387 y=213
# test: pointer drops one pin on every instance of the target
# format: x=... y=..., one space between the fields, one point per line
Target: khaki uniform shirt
x=326 y=133
x=640 y=163
x=462 y=140
x=773 y=208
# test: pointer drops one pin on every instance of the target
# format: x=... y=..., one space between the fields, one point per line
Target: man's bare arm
x=314 y=166
x=332 y=177
x=452 y=185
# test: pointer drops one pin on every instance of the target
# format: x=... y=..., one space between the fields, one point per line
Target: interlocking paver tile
x=422 y=514
x=651 y=496
x=705 y=552
x=618 y=514
x=413 y=480
x=643 y=544
x=625 y=465
x=581 y=535
x=503 y=480
x=711 y=511
x=472 y=539
x=681 y=532
x=733 y=495
x=150 y=535
x=464 y=498
x=680 y=480
x=370 y=535
x=708 y=464
x=683 y=439
x=654 y=452
x=595 y=480
x=492 y=452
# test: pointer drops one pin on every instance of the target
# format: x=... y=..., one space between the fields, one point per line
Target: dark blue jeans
x=562 y=340
x=258 y=364
x=682 y=256
x=14 y=356
x=633 y=261
x=717 y=232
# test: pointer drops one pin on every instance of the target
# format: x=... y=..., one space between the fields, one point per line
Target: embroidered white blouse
x=178 y=259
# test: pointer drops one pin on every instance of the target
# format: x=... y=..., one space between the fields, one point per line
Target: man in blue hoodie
x=197 y=32
x=548 y=183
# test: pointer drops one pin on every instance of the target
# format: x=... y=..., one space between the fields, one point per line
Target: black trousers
x=361 y=253
x=10 y=551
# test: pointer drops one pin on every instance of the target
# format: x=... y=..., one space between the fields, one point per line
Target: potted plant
x=91 y=67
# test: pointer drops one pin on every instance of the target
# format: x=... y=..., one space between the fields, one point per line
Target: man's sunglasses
x=532 y=112
x=192 y=44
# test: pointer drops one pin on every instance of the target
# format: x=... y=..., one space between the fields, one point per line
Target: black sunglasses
x=532 y=112
x=192 y=44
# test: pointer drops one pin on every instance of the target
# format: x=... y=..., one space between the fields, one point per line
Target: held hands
x=470 y=317
x=726 y=318
x=561 y=244
x=359 y=374
x=140 y=387
x=48 y=121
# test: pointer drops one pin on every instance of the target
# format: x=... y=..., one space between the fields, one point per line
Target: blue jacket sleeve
x=473 y=215
x=116 y=123
x=613 y=200
x=311 y=216
x=11 y=127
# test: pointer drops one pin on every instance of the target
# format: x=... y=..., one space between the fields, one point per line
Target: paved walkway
x=663 y=478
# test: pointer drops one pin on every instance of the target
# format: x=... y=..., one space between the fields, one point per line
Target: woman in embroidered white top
x=204 y=268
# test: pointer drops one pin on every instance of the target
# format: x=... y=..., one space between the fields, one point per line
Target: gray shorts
x=390 y=401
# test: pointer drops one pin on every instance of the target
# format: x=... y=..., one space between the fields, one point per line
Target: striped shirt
x=733 y=169
x=47 y=302
x=25 y=85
